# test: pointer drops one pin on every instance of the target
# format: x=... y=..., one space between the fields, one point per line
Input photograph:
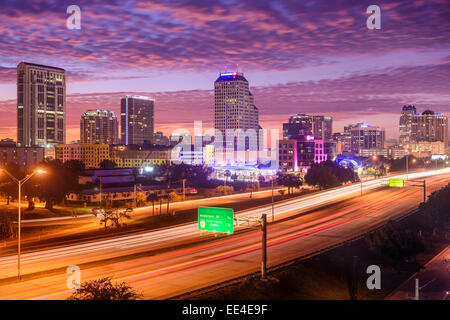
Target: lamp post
x=20 y=183
x=273 y=216
x=407 y=160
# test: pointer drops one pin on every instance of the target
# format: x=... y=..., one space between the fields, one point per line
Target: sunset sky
x=314 y=57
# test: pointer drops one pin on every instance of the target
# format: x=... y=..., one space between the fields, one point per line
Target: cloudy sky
x=299 y=56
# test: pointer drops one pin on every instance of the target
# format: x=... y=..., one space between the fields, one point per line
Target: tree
x=395 y=243
x=107 y=164
x=322 y=176
x=227 y=174
x=53 y=187
x=436 y=208
x=290 y=181
x=7 y=228
x=173 y=196
x=140 y=198
x=7 y=185
x=224 y=190
x=343 y=174
x=114 y=217
x=153 y=197
x=104 y=289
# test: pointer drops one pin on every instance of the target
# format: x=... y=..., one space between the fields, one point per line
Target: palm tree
x=153 y=197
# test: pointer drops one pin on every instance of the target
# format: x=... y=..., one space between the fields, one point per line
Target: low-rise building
x=297 y=155
x=25 y=157
x=134 y=156
x=90 y=154
x=425 y=149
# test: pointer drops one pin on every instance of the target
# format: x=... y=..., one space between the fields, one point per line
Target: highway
x=190 y=267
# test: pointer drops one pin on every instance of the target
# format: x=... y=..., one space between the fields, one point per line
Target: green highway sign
x=215 y=219
x=396 y=183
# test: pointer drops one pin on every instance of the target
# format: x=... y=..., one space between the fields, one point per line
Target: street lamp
x=273 y=215
x=407 y=160
x=20 y=183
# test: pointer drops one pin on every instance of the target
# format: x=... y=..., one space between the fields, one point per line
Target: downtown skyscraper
x=234 y=109
x=136 y=120
x=320 y=127
x=98 y=127
x=41 y=105
x=405 y=124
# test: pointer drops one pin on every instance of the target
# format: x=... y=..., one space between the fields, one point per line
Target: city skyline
x=225 y=154
x=348 y=72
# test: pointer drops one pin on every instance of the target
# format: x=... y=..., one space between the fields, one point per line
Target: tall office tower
x=41 y=105
x=234 y=108
x=136 y=119
x=98 y=127
x=365 y=137
x=343 y=142
x=430 y=127
x=323 y=128
x=298 y=125
x=405 y=125
x=320 y=127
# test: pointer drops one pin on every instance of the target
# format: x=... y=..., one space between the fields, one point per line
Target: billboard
x=216 y=219
x=396 y=183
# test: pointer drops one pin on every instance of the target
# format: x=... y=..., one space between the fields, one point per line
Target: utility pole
x=264 y=246
x=417 y=289
x=20 y=183
x=100 y=202
x=251 y=184
x=354 y=279
x=19 y=219
x=424 y=190
x=135 y=196
x=273 y=214
x=407 y=166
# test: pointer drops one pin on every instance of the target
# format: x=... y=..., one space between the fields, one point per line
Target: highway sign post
x=420 y=184
x=216 y=219
x=396 y=183
x=400 y=183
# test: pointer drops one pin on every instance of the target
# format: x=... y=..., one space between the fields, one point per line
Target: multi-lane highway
x=171 y=272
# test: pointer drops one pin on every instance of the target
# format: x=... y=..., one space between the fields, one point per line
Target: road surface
x=173 y=272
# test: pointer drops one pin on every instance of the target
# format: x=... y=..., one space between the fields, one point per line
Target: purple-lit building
x=297 y=155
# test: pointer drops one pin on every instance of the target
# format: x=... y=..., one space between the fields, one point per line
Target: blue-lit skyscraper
x=234 y=108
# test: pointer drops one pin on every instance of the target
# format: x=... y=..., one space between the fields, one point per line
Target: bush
x=173 y=196
x=7 y=228
x=104 y=289
x=436 y=208
x=394 y=243
x=225 y=190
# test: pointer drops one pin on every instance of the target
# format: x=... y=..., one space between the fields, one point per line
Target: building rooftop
x=99 y=112
x=139 y=97
x=231 y=76
x=41 y=65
